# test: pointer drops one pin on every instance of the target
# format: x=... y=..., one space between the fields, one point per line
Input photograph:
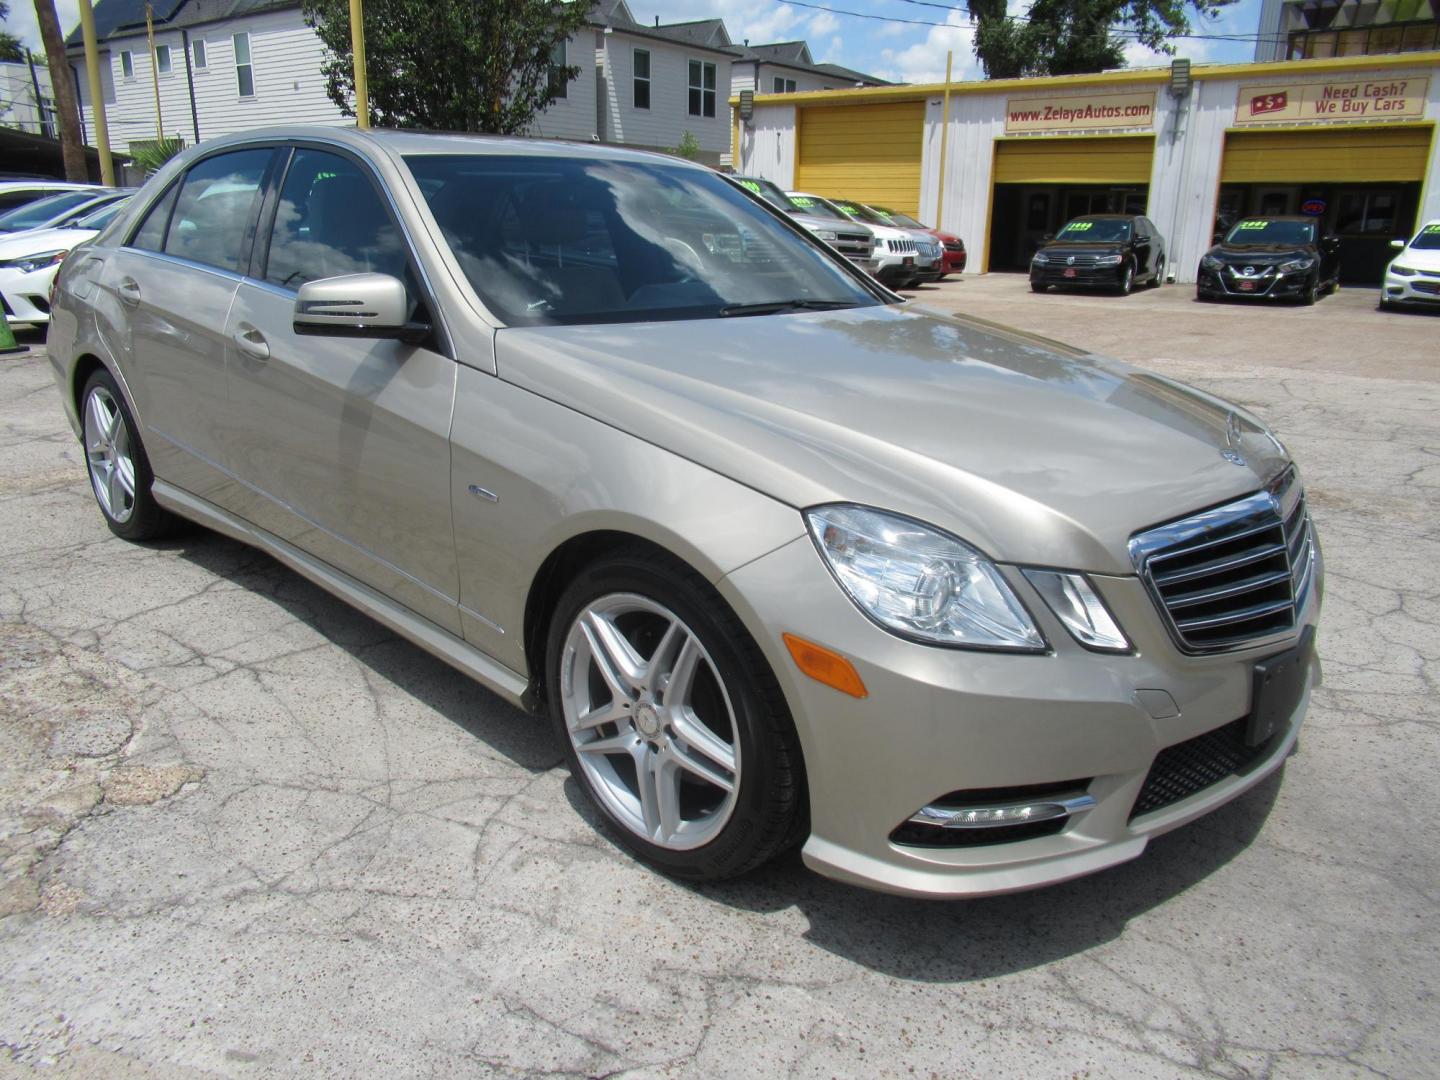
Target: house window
x=244 y=70
x=559 y=84
x=642 y=78
x=127 y=64
x=702 y=88
x=162 y=59
x=197 y=49
x=784 y=86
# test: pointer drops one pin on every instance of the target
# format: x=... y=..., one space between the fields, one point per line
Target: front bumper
x=941 y=720
x=25 y=298
x=955 y=261
x=1092 y=277
x=1422 y=290
x=1267 y=285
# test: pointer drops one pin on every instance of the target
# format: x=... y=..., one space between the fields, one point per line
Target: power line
x=971 y=24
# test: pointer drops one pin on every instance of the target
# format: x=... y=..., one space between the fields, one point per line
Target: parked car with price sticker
x=1105 y=251
x=897 y=260
x=952 y=247
x=929 y=253
x=1271 y=258
x=854 y=241
x=1413 y=278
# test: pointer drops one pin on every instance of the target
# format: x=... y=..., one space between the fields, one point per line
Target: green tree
x=1071 y=37
x=450 y=65
x=689 y=147
x=11 y=48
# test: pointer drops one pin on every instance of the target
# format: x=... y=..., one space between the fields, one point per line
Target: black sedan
x=1108 y=251
x=1271 y=258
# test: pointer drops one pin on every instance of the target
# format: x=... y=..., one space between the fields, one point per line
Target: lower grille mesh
x=1182 y=770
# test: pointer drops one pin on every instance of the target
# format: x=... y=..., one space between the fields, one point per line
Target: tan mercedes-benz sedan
x=784 y=559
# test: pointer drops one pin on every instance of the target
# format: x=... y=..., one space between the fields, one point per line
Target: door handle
x=129 y=291
x=251 y=342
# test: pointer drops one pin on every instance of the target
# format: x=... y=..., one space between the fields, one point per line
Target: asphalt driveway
x=246 y=831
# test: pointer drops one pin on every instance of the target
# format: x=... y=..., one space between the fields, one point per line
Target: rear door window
x=215 y=212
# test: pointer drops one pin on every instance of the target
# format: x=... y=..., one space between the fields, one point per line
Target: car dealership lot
x=247 y=831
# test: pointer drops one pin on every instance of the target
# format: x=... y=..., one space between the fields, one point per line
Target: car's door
x=164 y=298
x=342 y=442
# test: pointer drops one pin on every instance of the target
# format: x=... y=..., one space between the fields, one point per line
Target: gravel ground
x=247 y=832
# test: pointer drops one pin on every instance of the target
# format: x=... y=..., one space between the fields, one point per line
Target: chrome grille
x=1235 y=575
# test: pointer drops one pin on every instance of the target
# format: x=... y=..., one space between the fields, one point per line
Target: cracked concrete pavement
x=244 y=831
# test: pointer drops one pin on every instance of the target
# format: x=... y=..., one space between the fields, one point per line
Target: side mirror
x=357 y=305
x=1142 y=239
x=1331 y=242
x=1397 y=244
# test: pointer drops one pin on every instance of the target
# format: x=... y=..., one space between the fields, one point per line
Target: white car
x=896 y=258
x=28 y=262
x=23 y=190
x=60 y=208
x=1413 y=277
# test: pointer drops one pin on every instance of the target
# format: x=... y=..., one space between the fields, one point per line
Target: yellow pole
x=944 y=142
x=357 y=46
x=154 y=71
x=97 y=101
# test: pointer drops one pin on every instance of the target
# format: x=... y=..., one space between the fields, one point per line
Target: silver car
x=783 y=560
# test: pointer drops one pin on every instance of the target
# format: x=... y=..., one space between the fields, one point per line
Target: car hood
x=34 y=241
x=1417 y=259
x=830 y=224
x=1031 y=451
x=1262 y=254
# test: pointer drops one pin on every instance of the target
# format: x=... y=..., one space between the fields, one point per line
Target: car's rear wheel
x=1159 y=277
x=115 y=459
x=671 y=719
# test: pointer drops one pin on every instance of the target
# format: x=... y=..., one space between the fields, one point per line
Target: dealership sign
x=1098 y=111
x=1361 y=99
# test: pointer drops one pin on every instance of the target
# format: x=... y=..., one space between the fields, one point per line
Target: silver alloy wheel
x=107 y=452
x=650 y=720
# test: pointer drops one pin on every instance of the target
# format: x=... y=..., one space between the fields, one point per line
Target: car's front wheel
x=1312 y=291
x=671 y=719
x=115 y=459
x=1127 y=279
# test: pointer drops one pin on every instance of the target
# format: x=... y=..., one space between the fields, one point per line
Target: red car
x=952 y=245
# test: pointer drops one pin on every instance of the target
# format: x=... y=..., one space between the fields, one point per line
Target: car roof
x=46 y=185
x=1276 y=217
x=1105 y=217
x=402 y=142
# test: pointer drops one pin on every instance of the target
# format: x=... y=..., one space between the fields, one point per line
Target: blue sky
x=891 y=50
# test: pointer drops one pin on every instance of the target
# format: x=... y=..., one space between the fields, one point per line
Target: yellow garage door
x=1344 y=155
x=1070 y=160
x=870 y=153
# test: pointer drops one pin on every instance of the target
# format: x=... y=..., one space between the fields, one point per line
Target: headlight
x=1209 y=262
x=1109 y=260
x=1041 y=258
x=826 y=235
x=28 y=264
x=1079 y=607
x=1295 y=264
x=919 y=582
x=1402 y=271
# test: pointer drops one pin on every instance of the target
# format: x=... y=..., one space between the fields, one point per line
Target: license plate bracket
x=1277 y=687
x=1246 y=286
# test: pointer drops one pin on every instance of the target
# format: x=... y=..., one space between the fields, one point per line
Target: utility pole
x=154 y=72
x=944 y=142
x=357 y=46
x=97 y=99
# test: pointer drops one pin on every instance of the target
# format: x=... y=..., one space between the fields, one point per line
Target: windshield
x=1427 y=239
x=770 y=192
x=43 y=211
x=549 y=240
x=815 y=207
x=1263 y=231
x=1100 y=230
x=98 y=219
x=900 y=221
x=862 y=213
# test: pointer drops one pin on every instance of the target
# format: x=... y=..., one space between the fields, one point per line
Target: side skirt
x=460 y=654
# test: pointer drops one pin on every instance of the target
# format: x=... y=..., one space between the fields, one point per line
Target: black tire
x=1158 y=278
x=1203 y=297
x=1127 y=279
x=1312 y=291
x=770 y=811
x=1039 y=286
x=147 y=519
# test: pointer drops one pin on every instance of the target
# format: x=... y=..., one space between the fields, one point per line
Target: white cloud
x=823 y=24
x=924 y=61
x=22 y=22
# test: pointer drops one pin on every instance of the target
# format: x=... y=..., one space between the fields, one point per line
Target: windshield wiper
x=770 y=307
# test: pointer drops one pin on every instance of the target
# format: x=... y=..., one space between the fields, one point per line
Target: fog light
x=985 y=817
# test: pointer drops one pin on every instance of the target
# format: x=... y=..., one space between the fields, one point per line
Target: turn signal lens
x=825 y=666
